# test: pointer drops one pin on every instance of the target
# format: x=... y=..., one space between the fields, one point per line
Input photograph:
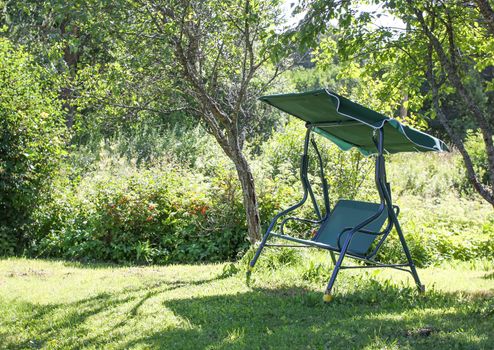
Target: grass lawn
x=53 y=304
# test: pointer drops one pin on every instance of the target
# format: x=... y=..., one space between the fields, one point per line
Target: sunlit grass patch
x=58 y=305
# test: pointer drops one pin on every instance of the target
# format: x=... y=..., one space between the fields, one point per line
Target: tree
x=31 y=133
x=441 y=59
x=133 y=57
x=108 y=81
x=63 y=35
x=221 y=50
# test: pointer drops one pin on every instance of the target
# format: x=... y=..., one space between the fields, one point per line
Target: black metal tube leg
x=256 y=256
x=408 y=255
x=328 y=297
x=303 y=176
x=259 y=250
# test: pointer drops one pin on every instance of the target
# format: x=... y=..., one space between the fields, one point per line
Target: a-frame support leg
x=333 y=257
x=408 y=255
x=328 y=297
x=304 y=164
x=259 y=250
x=385 y=194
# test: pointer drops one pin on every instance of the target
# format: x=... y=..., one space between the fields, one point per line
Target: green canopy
x=349 y=124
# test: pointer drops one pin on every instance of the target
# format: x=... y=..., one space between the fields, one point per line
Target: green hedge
x=147 y=216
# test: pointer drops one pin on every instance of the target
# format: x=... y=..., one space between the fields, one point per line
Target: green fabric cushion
x=347 y=213
x=357 y=123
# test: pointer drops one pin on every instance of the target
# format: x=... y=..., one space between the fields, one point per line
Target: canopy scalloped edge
x=323 y=106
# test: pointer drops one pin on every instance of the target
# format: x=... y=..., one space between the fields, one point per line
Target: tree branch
x=466 y=96
x=486 y=10
x=487 y=194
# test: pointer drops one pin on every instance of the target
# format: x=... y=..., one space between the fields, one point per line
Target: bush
x=187 y=206
x=346 y=172
x=437 y=230
x=427 y=175
x=277 y=172
x=31 y=130
x=160 y=215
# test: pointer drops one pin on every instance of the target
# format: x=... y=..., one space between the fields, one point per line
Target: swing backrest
x=348 y=214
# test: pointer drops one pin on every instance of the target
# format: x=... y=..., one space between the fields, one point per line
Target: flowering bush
x=146 y=216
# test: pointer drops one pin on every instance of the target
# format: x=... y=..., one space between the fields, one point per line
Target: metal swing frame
x=385 y=205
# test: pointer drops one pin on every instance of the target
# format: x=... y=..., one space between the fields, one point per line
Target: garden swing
x=350 y=228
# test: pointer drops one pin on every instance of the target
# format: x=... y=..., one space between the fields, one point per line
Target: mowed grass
x=53 y=304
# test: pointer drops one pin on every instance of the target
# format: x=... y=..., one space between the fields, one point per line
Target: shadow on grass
x=296 y=318
x=52 y=320
x=488 y=276
x=379 y=315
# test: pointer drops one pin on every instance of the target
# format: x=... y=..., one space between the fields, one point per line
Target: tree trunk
x=67 y=106
x=403 y=109
x=249 y=196
x=223 y=122
x=467 y=160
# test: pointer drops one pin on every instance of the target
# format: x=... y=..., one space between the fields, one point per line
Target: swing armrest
x=294 y=218
x=363 y=230
x=397 y=210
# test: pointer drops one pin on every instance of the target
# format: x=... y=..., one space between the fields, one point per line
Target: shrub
x=277 y=172
x=31 y=130
x=427 y=175
x=188 y=208
x=453 y=228
x=345 y=172
x=160 y=215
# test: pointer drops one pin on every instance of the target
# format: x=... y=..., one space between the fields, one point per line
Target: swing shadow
x=376 y=315
x=296 y=318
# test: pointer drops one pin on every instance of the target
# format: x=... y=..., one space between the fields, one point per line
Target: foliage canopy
x=437 y=64
x=31 y=147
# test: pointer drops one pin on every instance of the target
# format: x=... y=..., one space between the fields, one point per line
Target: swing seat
x=346 y=215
